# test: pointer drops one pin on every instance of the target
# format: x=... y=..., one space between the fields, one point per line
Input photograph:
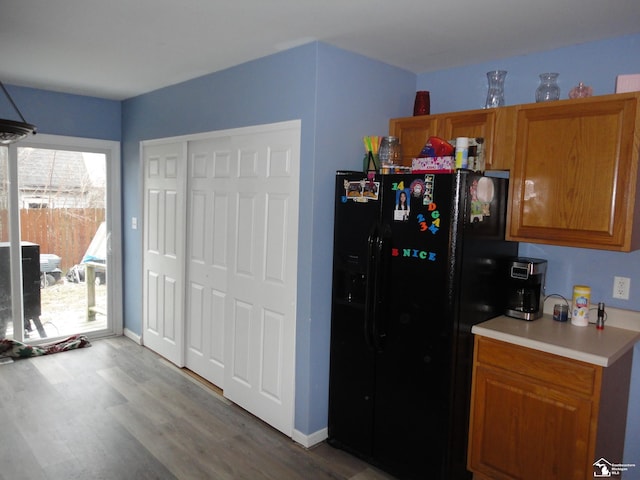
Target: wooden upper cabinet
x=573 y=164
x=575 y=172
x=414 y=132
x=474 y=124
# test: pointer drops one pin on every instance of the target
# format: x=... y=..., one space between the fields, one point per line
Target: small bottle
x=471 y=158
x=462 y=152
x=600 y=321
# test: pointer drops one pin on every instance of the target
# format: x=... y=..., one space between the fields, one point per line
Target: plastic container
x=560 y=312
x=580 y=305
x=462 y=152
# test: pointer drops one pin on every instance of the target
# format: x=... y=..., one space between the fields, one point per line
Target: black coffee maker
x=525 y=287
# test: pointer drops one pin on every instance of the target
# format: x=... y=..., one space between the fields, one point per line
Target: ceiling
x=117 y=49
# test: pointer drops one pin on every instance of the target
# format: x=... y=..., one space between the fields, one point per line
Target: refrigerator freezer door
x=352 y=369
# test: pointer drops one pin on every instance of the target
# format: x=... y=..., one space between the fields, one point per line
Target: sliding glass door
x=6 y=316
x=66 y=208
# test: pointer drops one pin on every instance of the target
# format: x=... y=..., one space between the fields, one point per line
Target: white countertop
x=587 y=344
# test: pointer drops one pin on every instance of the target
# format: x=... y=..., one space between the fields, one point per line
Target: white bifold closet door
x=241 y=266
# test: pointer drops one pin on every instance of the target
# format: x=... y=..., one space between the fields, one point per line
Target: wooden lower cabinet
x=537 y=416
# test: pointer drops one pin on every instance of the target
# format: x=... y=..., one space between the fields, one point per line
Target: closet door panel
x=263 y=276
x=207 y=266
x=163 y=251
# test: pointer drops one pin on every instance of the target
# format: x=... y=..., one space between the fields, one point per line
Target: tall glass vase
x=548 y=90
x=495 y=94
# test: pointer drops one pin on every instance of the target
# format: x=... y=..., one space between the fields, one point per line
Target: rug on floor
x=15 y=349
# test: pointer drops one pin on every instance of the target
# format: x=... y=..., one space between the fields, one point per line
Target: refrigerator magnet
x=361 y=190
x=417 y=188
x=370 y=189
x=481 y=192
x=429 y=181
x=401 y=212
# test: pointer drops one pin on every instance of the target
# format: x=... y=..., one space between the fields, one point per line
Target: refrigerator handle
x=380 y=288
x=370 y=285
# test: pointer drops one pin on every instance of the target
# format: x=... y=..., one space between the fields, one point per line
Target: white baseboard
x=309 y=441
x=133 y=336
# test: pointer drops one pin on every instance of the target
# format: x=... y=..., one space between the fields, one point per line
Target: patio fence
x=65 y=232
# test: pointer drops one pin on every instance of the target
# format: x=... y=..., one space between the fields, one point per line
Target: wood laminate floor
x=116 y=410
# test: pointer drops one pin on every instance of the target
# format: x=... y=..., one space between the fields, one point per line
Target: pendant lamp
x=10 y=130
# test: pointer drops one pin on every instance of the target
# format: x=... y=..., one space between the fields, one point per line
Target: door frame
x=111 y=150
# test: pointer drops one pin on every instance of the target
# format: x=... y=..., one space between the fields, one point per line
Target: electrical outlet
x=621 y=287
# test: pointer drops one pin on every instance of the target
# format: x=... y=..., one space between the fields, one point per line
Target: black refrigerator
x=418 y=260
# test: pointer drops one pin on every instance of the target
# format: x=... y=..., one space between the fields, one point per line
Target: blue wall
x=596 y=64
x=339 y=97
x=64 y=114
x=267 y=90
x=355 y=97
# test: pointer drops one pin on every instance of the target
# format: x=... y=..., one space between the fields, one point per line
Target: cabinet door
x=575 y=173
x=413 y=133
x=525 y=430
x=472 y=124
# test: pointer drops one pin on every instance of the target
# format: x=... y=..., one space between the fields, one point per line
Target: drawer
x=546 y=367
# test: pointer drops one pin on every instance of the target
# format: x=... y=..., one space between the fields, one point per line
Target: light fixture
x=10 y=130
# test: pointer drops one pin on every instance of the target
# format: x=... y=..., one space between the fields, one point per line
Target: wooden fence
x=65 y=232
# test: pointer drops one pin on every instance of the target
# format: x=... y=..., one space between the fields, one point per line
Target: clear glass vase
x=390 y=152
x=495 y=94
x=548 y=90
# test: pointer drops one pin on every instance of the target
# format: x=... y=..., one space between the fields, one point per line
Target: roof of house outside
x=52 y=170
